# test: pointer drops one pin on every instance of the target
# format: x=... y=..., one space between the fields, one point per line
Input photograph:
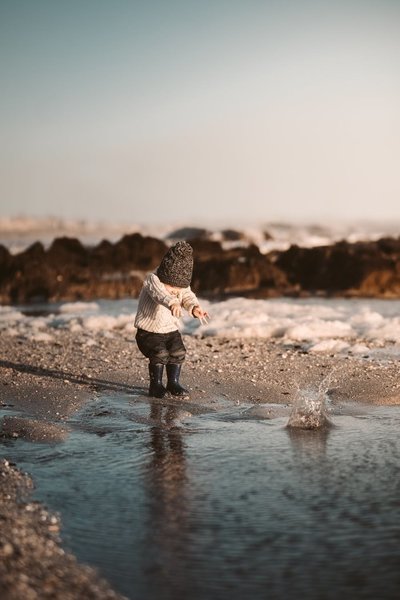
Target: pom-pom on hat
x=176 y=267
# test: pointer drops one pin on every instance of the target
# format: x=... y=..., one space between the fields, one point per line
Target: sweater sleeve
x=189 y=300
x=157 y=291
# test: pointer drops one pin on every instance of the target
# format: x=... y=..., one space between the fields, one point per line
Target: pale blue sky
x=192 y=111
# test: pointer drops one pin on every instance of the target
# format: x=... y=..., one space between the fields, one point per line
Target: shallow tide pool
x=170 y=505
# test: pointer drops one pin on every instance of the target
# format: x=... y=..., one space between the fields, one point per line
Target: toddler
x=161 y=300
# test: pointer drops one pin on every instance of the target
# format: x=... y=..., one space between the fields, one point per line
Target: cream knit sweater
x=153 y=313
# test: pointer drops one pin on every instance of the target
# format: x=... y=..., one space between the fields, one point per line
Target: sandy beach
x=225 y=173
x=44 y=383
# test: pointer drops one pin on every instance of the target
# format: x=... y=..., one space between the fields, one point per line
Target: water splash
x=310 y=410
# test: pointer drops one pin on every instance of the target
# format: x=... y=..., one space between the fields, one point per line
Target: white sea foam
x=315 y=329
x=354 y=327
x=331 y=346
x=9 y=315
x=330 y=326
x=389 y=331
x=359 y=349
x=108 y=323
x=78 y=307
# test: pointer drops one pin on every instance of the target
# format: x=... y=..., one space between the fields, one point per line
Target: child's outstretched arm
x=158 y=292
x=192 y=305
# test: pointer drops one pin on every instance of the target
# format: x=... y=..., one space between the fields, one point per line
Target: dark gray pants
x=161 y=348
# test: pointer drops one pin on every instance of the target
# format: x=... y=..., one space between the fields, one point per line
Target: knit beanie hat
x=176 y=266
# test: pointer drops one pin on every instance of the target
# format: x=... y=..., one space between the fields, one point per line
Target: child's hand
x=176 y=310
x=201 y=314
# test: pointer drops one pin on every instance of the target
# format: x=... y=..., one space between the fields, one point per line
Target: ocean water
x=170 y=504
x=19 y=232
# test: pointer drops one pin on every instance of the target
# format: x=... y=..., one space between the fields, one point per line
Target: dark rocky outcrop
x=206 y=249
x=232 y=235
x=137 y=252
x=240 y=271
x=70 y=271
x=30 y=272
x=189 y=233
x=360 y=269
x=132 y=252
x=5 y=264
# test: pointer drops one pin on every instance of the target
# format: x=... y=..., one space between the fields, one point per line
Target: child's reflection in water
x=167 y=547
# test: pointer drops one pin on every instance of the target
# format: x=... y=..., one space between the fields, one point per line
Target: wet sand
x=42 y=384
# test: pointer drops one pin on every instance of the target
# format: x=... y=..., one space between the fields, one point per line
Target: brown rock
x=232 y=235
x=137 y=252
x=67 y=251
x=339 y=268
x=5 y=263
x=30 y=276
x=69 y=271
x=206 y=249
x=238 y=271
x=189 y=233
